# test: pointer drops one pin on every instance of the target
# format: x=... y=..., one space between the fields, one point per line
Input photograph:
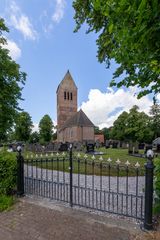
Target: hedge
x=8 y=172
x=157 y=186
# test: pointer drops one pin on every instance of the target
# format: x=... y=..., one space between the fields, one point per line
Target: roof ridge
x=78 y=119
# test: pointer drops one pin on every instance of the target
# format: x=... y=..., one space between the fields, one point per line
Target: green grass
x=114 y=154
x=6 y=202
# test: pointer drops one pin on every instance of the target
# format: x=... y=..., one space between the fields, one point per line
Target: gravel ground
x=88 y=190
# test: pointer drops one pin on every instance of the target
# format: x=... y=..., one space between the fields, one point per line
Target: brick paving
x=31 y=221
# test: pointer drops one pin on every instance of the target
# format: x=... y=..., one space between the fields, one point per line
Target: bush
x=8 y=172
x=157 y=186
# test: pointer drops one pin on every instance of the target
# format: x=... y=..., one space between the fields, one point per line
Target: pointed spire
x=65 y=78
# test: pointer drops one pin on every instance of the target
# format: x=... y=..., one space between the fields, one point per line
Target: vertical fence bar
x=117 y=188
x=85 y=180
x=20 y=173
x=63 y=178
x=57 y=178
x=127 y=173
x=78 y=180
x=149 y=166
x=52 y=174
x=137 y=175
x=93 y=164
x=27 y=180
x=71 y=175
x=109 y=185
x=100 y=184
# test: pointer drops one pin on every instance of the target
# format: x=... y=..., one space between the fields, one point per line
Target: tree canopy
x=45 y=129
x=11 y=82
x=155 y=116
x=23 y=127
x=133 y=126
x=128 y=32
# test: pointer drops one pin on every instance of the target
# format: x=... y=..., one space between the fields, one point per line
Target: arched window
x=64 y=95
x=71 y=97
x=68 y=95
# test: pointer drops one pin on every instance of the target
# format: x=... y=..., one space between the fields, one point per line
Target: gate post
x=20 y=173
x=149 y=166
x=71 y=175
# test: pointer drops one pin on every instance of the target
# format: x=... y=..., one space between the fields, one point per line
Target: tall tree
x=155 y=114
x=119 y=127
x=138 y=126
x=34 y=137
x=106 y=133
x=134 y=126
x=45 y=129
x=11 y=81
x=23 y=127
x=128 y=32
x=97 y=130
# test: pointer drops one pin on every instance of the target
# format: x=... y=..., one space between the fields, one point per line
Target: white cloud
x=21 y=22
x=104 y=108
x=14 y=50
x=59 y=11
x=35 y=127
x=158 y=97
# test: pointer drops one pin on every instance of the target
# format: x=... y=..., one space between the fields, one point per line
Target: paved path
x=36 y=220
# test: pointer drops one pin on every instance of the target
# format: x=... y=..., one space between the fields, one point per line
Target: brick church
x=72 y=125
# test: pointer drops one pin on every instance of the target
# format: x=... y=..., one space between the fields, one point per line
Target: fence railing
x=97 y=184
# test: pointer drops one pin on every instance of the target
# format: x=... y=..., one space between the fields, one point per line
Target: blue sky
x=42 y=41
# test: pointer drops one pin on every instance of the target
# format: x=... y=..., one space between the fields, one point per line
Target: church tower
x=66 y=101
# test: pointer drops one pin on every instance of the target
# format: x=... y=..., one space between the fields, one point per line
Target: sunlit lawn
x=87 y=166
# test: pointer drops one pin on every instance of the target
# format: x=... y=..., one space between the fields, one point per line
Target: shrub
x=157 y=186
x=8 y=172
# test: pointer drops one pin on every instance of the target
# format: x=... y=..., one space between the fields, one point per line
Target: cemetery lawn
x=122 y=155
x=113 y=154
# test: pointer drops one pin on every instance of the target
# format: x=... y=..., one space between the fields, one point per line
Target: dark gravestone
x=115 y=145
x=63 y=147
x=90 y=148
x=158 y=147
x=148 y=147
x=107 y=144
x=141 y=145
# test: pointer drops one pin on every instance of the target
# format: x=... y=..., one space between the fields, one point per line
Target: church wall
x=68 y=135
x=88 y=133
x=77 y=134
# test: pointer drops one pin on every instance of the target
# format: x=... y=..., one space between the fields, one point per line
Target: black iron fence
x=97 y=184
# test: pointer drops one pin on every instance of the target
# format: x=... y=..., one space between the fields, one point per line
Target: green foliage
x=157 y=186
x=6 y=202
x=106 y=133
x=97 y=130
x=155 y=114
x=11 y=81
x=34 y=137
x=119 y=126
x=133 y=126
x=8 y=172
x=23 y=126
x=128 y=32
x=45 y=129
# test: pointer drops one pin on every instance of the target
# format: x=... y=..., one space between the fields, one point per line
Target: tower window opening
x=71 y=96
x=65 y=96
x=68 y=95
